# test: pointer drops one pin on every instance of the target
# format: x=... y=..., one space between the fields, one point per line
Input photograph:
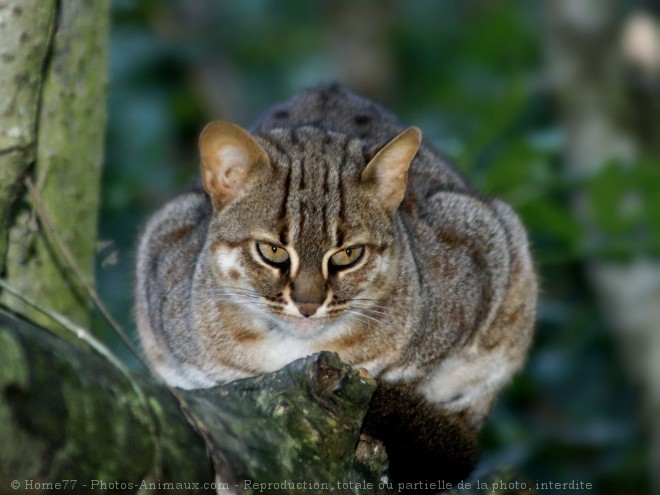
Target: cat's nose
x=308 y=309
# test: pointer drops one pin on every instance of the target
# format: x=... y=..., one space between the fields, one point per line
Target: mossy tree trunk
x=55 y=132
x=25 y=36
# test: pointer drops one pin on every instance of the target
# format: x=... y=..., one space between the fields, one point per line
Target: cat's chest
x=276 y=349
x=277 y=343
x=272 y=345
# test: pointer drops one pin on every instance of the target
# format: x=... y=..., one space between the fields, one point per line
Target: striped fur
x=442 y=301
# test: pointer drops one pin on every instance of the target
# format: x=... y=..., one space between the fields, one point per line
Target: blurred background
x=553 y=106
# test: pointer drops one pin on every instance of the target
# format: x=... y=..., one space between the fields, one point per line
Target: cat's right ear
x=387 y=172
x=230 y=160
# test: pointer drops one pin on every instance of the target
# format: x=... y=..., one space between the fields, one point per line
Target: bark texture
x=70 y=414
x=300 y=424
x=26 y=28
x=67 y=150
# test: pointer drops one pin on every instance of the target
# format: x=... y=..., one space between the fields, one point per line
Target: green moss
x=15 y=369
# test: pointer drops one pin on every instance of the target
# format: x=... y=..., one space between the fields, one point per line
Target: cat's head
x=303 y=221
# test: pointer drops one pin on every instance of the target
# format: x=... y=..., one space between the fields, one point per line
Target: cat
x=332 y=226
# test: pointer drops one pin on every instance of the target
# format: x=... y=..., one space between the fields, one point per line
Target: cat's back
x=335 y=108
x=332 y=108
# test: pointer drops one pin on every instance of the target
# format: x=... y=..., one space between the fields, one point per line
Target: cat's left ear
x=387 y=172
x=231 y=160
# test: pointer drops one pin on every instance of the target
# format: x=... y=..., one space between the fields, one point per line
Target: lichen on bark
x=67 y=151
x=70 y=414
x=26 y=28
x=67 y=413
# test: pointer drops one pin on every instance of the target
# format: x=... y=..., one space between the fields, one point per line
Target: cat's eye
x=346 y=257
x=272 y=254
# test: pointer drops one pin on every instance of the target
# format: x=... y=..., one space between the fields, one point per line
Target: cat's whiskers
x=371 y=318
x=238 y=294
x=363 y=302
x=369 y=309
x=369 y=299
x=361 y=318
x=243 y=290
x=379 y=316
x=372 y=312
x=352 y=319
x=229 y=295
x=240 y=299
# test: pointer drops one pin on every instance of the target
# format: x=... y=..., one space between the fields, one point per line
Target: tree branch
x=70 y=414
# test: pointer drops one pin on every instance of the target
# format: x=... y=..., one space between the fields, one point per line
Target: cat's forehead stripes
x=311 y=164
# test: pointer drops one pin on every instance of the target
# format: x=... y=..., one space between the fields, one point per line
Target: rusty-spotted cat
x=331 y=226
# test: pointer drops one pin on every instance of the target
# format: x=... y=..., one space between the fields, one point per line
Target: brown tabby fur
x=440 y=307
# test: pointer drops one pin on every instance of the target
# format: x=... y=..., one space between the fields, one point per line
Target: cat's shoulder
x=178 y=222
